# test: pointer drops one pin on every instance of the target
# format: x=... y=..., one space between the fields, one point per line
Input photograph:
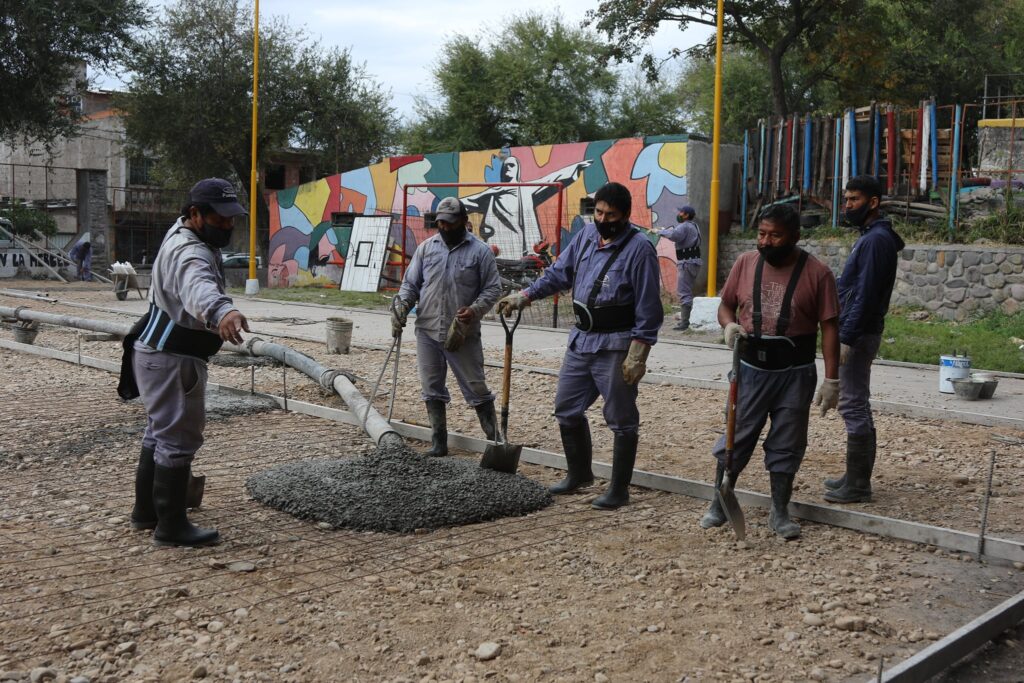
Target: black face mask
x=608 y=229
x=453 y=236
x=856 y=217
x=777 y=256
x=214 y=236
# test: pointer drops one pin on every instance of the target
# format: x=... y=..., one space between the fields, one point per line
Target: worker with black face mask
x=453 y=281
x=773 y=304
x=865 y=288
x=614 y=276
x=165 y=356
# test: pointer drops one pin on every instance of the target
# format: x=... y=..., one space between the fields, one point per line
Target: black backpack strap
x=599 y=282
x=782 y=324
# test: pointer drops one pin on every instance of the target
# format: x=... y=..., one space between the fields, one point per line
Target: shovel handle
x=730 y=414
x=506 y=374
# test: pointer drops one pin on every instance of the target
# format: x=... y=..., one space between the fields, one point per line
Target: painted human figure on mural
x=510 y=213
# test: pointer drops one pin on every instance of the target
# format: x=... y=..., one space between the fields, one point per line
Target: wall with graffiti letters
x=310 y=224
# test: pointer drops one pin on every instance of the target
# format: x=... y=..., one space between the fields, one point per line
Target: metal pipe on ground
x=333 y=380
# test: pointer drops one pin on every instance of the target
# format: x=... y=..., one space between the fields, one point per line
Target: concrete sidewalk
x=898 y=387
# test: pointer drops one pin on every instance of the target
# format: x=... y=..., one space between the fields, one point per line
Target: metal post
x=284 y=385
x=252 y=380
x=836 y=156
x=984 y=505
x=79 y=348
x=558 y=251
x=252 y=286
x=743 y=183
x=716 y=137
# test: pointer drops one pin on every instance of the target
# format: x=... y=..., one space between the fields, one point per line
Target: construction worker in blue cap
x=686 y=236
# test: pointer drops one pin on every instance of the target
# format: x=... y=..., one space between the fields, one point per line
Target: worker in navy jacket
x=865 y=288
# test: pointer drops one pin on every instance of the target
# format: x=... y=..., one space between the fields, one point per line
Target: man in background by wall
x=686 y=237
x=454 y=278
x=865 y=289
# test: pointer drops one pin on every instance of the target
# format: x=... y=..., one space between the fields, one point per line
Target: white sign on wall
x=14 y=260
x=367 y=251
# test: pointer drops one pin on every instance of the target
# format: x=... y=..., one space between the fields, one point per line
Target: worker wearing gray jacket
x=453 y=281
x=189 y=318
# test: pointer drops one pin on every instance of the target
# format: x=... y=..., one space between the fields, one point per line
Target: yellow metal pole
x=253 y=185
x=715 y=139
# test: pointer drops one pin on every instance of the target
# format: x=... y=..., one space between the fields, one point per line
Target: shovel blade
x=731 y=507
x=501 y=457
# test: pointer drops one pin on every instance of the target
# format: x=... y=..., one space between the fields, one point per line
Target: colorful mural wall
x=309 y=236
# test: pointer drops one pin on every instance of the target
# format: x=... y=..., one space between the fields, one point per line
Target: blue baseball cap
x=688 y=210
x=218 y=193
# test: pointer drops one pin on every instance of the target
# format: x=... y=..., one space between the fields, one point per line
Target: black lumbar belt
x=610 y=318
x=160 y=333
x=778 y=352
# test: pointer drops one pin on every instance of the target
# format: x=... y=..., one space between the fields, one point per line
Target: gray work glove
x=827 y=396
x=844 y=353
x=635 y=365
x=733 y=331
x=516 y=301
x=457 y=332
x=399 y=314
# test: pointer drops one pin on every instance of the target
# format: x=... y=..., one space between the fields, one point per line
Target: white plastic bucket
x=952 y=367
x=339 y=335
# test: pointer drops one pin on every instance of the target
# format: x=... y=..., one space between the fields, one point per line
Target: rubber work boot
x=860 y=461
x=143 y=514
x=488 y=419
x=778 y=517
x=715 y=516
x=437 y=412
x=624 y=459
x=579 y=452
x=196 y=488
x=684 y=318
x=170 y=487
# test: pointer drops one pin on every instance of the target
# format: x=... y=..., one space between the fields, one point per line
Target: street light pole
x=715 y=139
x=252 y=285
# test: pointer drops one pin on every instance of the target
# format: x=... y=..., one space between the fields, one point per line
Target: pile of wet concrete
x=396 y=489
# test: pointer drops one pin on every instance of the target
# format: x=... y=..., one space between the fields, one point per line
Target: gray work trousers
x=686 y=275
x=783 y=395
x=585 y=376
x=855 y=385
x=467 y=365
x=173 y=389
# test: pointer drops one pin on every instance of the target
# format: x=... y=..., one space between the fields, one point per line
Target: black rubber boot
x=684 y=318
x=488 y=419
x=778 y=517
x=143 y=514
x=579 y=452
x=860 y=461
x=437 y=412
x=170 y=487
x=715 y=516
x=623 y=461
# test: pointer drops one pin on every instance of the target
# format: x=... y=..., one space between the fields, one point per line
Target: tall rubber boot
x=778 y=517
x=579 y=453
x=623 y=461
x=860 y=462
x=437 y=412
x=170 y=487
x=143 y=513
x=715 y=516
x=684 y=318
x=488 y=419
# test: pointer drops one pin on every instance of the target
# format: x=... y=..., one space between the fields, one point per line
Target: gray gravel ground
x=396 y=489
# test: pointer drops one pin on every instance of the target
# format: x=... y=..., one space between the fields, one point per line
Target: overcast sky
x=399 y=39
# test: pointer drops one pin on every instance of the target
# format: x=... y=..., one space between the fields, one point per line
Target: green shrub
x=29 y=221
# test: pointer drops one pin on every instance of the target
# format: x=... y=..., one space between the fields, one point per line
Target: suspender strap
x=782 y=324
x=599 y=282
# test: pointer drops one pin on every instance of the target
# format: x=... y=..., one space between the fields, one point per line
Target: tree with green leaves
x=820 y=32
x=190 y=95
x=535 y=80
x=43 y=45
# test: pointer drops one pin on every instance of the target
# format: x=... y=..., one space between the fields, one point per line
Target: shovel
x=501 y=455
x=726 y=494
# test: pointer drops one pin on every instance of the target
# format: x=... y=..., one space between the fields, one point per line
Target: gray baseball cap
x=450 y=210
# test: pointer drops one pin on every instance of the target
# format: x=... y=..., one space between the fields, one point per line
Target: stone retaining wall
x=951 y=280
